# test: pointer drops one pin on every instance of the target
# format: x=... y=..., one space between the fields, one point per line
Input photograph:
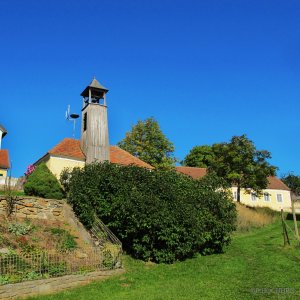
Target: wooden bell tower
x=94 y=130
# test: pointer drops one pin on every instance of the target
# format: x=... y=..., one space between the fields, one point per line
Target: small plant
x=66 y=241
x=57 y=269
x=31 y=275
x=10 y=196
x=29 y=249
x=108 y=261
x=4 y=242
x=110 y=254
x=4 y=279
x=19 y=229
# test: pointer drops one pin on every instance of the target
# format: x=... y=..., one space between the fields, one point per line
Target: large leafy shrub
x=42 y=183
x=161 y=216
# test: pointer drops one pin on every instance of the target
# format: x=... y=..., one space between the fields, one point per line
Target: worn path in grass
x=255 y=266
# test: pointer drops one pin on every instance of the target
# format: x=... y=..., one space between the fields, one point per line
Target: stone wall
x=36 y=208
x=51 y=285
x=46 y=209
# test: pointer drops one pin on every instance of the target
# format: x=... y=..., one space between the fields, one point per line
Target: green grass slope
x=255 y=266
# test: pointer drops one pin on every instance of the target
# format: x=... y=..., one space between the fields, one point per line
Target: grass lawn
x=255 y=266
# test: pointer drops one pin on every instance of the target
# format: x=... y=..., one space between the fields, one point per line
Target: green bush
x=66 y=241
x=19 y=229
x=160 y=216
x=43 y=183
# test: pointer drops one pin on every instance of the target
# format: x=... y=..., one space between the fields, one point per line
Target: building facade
x=276 y=196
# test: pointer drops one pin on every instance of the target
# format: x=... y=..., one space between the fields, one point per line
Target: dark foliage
x=43 y=183
x=160 y=216
x=293 y=182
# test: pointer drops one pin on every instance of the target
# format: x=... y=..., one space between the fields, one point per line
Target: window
x=235 y=195
x=253 y=197
x=84 y=121
x=267 y=196
x=279 y=198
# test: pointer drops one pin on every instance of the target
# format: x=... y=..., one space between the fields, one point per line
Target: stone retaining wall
x=36 y=208
x=46 y=209
x=51 y=285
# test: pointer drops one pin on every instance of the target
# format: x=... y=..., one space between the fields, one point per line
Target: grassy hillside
x=24 y=236
x=255 y=266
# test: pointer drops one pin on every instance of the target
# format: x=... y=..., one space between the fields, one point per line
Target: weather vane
x=72 y=118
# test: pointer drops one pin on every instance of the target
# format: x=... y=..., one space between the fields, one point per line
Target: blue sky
x=206 y=70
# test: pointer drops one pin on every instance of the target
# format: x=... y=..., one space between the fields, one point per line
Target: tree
x=199 y=156
x=293 y=182
x=147 y=142
x=241 y=164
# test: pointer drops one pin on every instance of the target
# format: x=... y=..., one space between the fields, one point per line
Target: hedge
x=160 y=216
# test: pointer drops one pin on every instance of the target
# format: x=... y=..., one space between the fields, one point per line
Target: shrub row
x=160 y=216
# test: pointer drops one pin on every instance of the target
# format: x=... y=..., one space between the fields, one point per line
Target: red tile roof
x=122 y=157
x=274 y=182
x=4 y=159
x=70 y=148
x=192 y=171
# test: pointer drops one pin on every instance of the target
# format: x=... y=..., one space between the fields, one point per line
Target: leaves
x=199 y=156
x=147 y=142
x=293 y=182
x=159 y=215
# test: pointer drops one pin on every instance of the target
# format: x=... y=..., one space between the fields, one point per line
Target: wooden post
x=295 y=220
x=284 y=231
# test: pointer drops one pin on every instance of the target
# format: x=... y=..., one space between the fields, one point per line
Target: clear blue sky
x=206 y=70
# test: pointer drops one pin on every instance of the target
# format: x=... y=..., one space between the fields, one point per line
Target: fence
x=22 y=267
x=101 y=233
x=4 y=180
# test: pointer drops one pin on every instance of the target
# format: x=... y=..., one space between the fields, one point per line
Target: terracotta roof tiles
x=4 y=159
x=193 y=172
x=122 y=157
x=70 y=148
x=276 y=184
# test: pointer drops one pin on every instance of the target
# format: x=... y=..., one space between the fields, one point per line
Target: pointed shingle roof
x=96 y=84
x=96 y=87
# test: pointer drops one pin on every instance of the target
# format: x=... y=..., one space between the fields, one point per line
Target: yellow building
x=68 y=154
x=276 y=196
